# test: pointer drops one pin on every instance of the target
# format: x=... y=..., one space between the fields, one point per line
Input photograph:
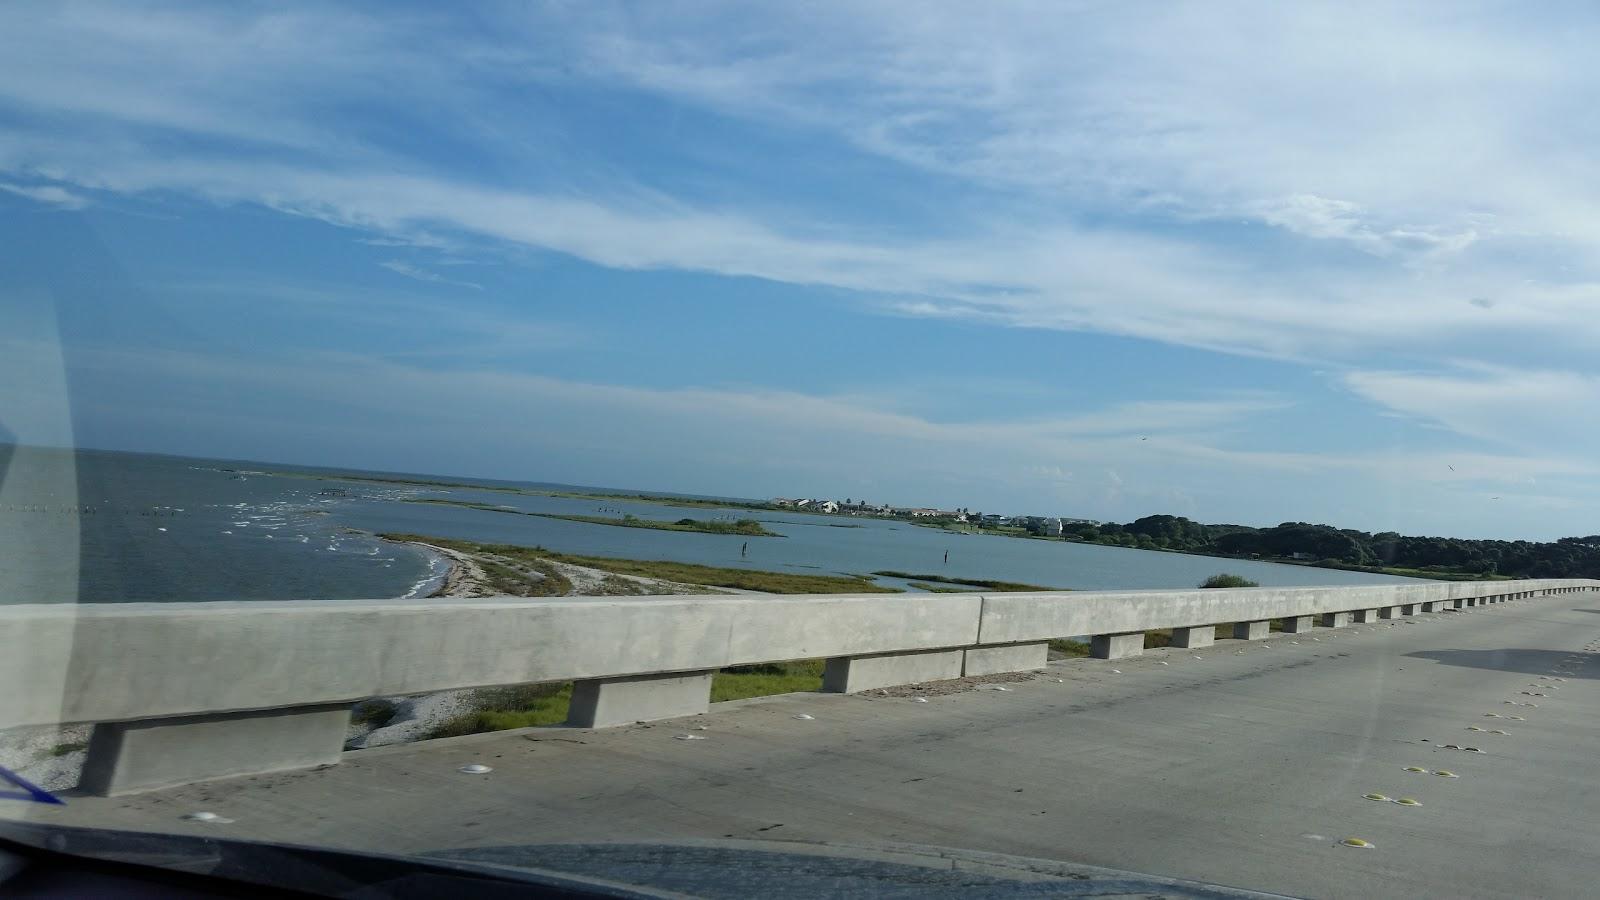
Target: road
x=1244 y=764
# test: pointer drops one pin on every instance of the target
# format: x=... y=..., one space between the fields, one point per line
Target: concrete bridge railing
x=181 y=692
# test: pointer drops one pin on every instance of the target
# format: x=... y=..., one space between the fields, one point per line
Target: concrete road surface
x=1245 y=766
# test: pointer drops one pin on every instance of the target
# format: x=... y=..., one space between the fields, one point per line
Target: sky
x=1243 y=262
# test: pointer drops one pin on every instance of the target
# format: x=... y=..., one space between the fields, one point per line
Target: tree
x=1225 y=580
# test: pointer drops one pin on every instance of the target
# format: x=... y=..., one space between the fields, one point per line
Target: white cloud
x=1551 y=412
x=401 y=267
x=48 y=194
x=1429 y=146
x=757 y=441
x=1358 y=184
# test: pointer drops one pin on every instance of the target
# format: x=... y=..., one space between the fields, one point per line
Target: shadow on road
x=1587 y=610
x=1514 y=659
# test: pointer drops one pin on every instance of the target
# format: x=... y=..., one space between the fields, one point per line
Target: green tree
x=1224 y=580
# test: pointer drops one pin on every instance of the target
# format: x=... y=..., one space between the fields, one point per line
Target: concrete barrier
x=212 y=678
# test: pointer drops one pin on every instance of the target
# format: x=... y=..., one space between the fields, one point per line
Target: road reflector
x=1446 y=773
x=1408 y=801
x=1415 y=769
x=1358 y=843
x=1381 y=798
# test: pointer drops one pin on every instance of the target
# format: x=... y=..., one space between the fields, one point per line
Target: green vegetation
x=465 y=504
x=528 y=705
x=739 y=682
x=513 y=563
x=746 y=527
x=68 y=747
x=716 y=576
x=663 y=499
x=974 y=582
x=499 y=709
x=383 y=479
x=1224 y=580
x=1386 y=552
x=1069 y=648
x=935 y=589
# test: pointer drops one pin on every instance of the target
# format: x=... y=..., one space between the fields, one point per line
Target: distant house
x=924 y=513
x=782 y=501
x=827 y=506
x=1054 y=527
x=1302 y=555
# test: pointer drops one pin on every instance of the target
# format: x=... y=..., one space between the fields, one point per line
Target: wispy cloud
x=1542 y=410
x=1087 y=148
x=401 y=267
x=537 y=426
x=1376 y=188
x=48 y=194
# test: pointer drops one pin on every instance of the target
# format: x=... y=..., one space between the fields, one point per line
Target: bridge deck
x=1244 y=768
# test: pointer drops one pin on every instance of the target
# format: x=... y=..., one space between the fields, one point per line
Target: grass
x=745 y=527
x=1435 y=574
x=529 y=705
x=716 y=576
x=377 y=479
x=539 y=559
x=739 y=682
x=1069 y=648
x=501 y=709
x=934 y=588
x=68 y=747
x=975 y=582
x=465 y=504
x=664 y=500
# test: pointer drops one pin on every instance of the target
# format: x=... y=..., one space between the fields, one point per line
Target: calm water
x=110 y=527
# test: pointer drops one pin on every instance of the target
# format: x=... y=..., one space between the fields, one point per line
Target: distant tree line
x=1571 y=557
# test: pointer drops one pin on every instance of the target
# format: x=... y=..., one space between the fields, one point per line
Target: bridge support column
x=853 y=674
x=1296 y=624
x=1389 y=612
x=125 y=757
x=1194 y=637
x=1005 y=658
x=1116 y=646
x=604 y=702
x=1364 y=616
x=1251 y=631
x=1335 y=619
x=1457 y=603
x=1408 y=609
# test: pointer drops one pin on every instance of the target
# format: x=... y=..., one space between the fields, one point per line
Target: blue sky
x=1241 y=262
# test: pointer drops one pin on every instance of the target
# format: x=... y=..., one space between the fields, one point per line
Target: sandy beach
x=415 y=717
